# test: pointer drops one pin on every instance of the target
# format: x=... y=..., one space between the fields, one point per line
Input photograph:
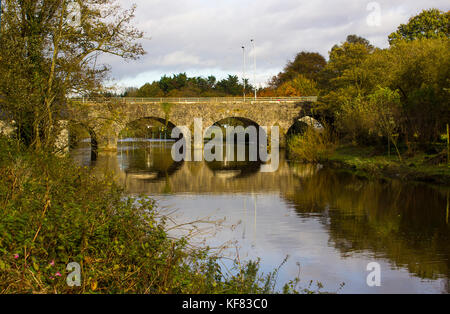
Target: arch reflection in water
x=147 y=168
x=333 y=223
x=147 y=160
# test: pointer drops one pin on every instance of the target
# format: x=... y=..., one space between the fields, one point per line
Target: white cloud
x=197 y=36
x=181 y=58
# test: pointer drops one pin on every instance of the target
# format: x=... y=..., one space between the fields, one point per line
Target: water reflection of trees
x=405 y=223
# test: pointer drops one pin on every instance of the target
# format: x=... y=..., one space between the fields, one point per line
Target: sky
x=205 y=37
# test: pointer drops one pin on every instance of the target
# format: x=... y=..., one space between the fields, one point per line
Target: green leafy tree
x=130 y=92
x=386 y=106
x=344 y=58
x=231 y=86
x=418 y=70
x=341 y=80
x=176 y=82
x=431 y=23
x=180 y=85
x=46 y=56
x=150 y=90
x=308 y=64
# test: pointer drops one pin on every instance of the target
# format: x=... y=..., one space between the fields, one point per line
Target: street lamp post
x=254 y=66
x=243 y=74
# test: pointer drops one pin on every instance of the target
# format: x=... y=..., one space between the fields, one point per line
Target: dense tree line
x=180 y=85
x=370 y=95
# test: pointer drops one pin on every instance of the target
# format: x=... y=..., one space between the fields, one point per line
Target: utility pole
x=243 y=74
x=254 y=67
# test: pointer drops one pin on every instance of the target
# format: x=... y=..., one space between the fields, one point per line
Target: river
x=330 y=223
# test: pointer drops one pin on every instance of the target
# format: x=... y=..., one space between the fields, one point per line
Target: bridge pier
x=107 y=137
x=108 y=143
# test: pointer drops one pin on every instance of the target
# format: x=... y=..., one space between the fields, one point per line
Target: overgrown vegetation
x=54 y=213
x=393 y=100
x=311 y=146
x=373 y=163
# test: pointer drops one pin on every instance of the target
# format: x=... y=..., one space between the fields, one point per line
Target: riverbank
x=55 y=214
x=366 y=162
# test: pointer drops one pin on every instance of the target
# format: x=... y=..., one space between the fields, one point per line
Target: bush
x=311 y=146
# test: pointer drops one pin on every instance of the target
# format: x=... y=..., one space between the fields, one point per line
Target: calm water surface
x=329 y=222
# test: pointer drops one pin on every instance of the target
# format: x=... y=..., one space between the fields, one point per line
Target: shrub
x=311 y=146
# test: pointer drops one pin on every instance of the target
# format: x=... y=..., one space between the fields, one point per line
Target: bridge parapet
x=195 y=100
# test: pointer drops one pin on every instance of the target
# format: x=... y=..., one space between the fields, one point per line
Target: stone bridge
x=105 y=119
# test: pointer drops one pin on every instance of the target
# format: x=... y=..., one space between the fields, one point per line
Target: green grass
x=367 y=161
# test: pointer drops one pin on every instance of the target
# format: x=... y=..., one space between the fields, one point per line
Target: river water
x=330 y=223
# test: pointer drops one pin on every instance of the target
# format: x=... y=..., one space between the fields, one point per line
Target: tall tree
x=308 y=64
x=341 y=79
x=349 y=54
x=231 y=86
x=431 y=23
x=48 y=51
x=418 y=70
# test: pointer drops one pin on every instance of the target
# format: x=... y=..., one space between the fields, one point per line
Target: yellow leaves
x=94 y=285
x=88 y=260
x=298 y=86
x=287 y=89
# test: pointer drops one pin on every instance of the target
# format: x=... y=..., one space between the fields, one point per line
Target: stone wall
x=105 y=121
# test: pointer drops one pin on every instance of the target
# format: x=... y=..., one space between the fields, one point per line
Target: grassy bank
x=54 y=213
x=367 y=161
x=374 y=162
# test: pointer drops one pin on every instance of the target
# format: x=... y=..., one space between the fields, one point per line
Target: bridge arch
x=147 y=127
x=235 y=121
x=235 y=169
x=79 y=132
x=302 y=124
x=244 y=156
